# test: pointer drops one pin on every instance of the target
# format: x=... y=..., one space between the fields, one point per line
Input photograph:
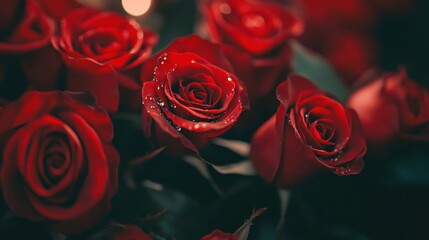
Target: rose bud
x=258 y=34
x=219 y=235
x=95 y=45
x=309 y=132
x=58 y=163
x=391 y=107
x=190 y=94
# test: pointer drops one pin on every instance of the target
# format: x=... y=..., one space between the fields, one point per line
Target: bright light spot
x=136 y=7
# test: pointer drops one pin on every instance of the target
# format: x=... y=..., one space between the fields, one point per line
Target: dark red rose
x=94 y=45
x=27 y=61
x=190 y=94
x=219 y=235
x=260 y=32
x=335 y=13
x=58 y=163
x=351 y=54
x=130 y=232
x=58 y=9
x=310 y=131
x=391 y=106
x=34 y=31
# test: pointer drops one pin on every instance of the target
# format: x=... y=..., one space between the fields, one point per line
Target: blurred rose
x=27 y=61
x=258 y=33
x=219 y=235
x=58 y=9
x=351 y=54
x=391 y=105
x=58 y=163
x=32 y=32
x=94 y=45
x=310 y=131
x=190 y=94
x=335 y=13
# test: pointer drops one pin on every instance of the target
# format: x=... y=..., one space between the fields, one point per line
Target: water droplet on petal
x=225 y=8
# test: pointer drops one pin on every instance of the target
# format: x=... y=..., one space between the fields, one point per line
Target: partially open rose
x=190 y=94
x=259 y=31
x=95 y=44
x=309 y=132
x=58 y=163
x=392 y=106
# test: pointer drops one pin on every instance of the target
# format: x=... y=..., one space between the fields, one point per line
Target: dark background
x=388 y=200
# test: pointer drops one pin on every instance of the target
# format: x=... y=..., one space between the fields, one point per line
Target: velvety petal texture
x=309 y=132
x=58 y=163
x=392 y=106
x=190 y=94
x=103 y=52
x=260 y=32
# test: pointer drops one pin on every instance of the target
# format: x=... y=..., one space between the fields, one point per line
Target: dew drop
x=225 y=8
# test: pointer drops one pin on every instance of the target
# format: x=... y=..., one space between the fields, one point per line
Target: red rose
x=34 y=31
x=219 y=235
x=58 y=9
x=94 y=44
x=131 y=233
x=390 y=106
x=27 y=61
x=351 y=54
x=335 y=13
x=259 y=31
x=310 y=131
x=58 y=163
x=189 y=94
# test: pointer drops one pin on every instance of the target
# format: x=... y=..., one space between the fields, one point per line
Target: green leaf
x=318 y=70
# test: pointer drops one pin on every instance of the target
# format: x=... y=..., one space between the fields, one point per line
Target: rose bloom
x=189 y=95
x=351 y=54
x=27 y=61
x=32 y=32
x=392 y=106
x=58 y=9
x=58 y=163
x=258 y=34
x=336 y=13
x=219 y=235
x=309 y=132
x=95 y=45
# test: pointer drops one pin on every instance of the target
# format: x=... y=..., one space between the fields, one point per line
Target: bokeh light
x=136 y=7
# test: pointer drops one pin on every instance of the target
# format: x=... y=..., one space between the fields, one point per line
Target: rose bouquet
x=179 y=123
